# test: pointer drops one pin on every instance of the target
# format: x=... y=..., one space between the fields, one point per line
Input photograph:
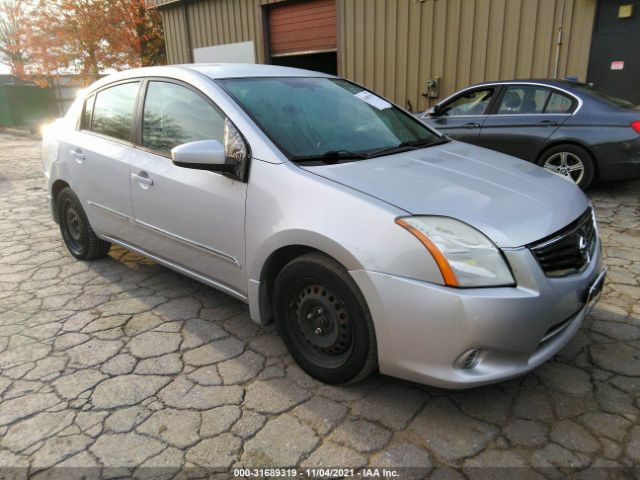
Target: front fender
x=289 y=206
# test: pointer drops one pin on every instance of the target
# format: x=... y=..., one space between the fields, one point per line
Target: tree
x=12 y=35
x=142 y=36
x=89 y=37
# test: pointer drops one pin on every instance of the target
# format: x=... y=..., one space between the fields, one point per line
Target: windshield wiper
x=332 y=156
x=408 y=145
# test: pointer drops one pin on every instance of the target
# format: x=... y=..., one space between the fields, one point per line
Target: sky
x=3 y=69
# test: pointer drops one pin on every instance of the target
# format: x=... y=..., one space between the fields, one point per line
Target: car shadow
x=567 y=385
x=144 y=280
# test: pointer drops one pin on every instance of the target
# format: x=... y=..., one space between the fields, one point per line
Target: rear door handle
x=548 y=123
x=142 y=178
x=471 y=125
x=78 y=155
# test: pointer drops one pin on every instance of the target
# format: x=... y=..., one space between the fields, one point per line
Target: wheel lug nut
x=318 y=331
x=310 y=316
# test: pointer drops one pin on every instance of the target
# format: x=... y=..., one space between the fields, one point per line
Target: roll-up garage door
x=302 y=27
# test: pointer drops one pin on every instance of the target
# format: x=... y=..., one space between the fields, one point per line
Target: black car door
x=462 y=116
x=523 y=118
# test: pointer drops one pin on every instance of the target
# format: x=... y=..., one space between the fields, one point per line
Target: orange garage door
x=302 y=27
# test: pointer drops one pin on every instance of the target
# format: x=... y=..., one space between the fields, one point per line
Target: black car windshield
x=326 y=118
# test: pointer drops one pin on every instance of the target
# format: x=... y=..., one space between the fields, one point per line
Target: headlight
x=595 y=222
x=465 y=257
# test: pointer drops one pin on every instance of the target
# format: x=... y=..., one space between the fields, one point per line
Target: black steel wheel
x=324 y=325
x=78 y=236
x=324 y=321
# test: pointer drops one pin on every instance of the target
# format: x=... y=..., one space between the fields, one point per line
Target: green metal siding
x=25 y=104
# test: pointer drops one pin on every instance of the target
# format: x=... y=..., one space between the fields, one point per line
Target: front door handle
x=471 y=125
x=548 y=123
x=78 y=155
x=142 y=178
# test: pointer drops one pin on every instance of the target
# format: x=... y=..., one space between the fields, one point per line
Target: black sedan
x=564 y=126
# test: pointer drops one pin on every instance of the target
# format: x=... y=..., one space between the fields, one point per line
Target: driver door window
x=462 y=117
x=475 y=102
x=174 y=115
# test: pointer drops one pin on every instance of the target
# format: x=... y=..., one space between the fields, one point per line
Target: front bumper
x=422 y=328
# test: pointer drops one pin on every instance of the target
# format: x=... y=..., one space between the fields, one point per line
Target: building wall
x=394 y=46
x=202 y=23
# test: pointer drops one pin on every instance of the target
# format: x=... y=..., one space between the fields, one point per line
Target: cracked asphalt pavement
x=122 y=363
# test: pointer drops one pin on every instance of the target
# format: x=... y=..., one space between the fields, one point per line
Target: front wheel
x=324 y=321
x=78 y=236
x=570 y=161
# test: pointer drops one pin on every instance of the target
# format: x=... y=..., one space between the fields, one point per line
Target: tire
x=78 y=236
x=324 y=320
x=570 y=161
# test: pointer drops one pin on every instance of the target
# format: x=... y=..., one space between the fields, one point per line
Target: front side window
x=174 y=115
x=320 y=117
x=523 y=99
x=113 y=111
x=475 y=102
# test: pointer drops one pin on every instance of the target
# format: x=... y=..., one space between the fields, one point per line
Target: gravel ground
x=124 y=364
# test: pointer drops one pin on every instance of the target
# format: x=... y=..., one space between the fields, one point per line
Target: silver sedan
x=371 y=240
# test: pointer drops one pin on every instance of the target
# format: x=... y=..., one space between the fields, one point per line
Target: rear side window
x=113 y=111
x=174 y=115
x=559 y=103
x=523 y=99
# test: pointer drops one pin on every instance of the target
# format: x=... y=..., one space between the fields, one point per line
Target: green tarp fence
x=26 y=104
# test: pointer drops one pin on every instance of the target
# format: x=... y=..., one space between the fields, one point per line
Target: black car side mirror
x=433 y=111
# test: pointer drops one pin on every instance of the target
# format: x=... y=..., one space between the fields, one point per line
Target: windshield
x=610 y=99
x=316 y=117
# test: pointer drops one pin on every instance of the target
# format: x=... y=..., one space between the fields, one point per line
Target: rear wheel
x=324 y=321
x=570 y=161
x=78 y=236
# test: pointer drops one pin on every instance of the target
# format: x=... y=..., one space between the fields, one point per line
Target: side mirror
x=202 y=155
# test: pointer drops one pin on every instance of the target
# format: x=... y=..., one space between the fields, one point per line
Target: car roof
x=222 y=70
x=242 y=70
x=561 y=83
x=209 y=70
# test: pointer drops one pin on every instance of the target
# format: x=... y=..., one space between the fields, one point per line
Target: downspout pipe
x=559 y=41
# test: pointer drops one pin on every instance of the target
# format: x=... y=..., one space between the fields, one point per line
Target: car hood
x=512 y=201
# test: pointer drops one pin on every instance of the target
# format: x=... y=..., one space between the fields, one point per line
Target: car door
x=463 y=116
x=525 y=117
x=98 y=156
x=190 y=217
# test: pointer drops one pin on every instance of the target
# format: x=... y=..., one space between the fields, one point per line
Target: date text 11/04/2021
x=315 y=473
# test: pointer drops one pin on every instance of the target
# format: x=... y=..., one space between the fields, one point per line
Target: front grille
x=569 y=250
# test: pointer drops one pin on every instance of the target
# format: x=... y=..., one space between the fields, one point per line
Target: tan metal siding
x=175 y=31
x=460 y=41
x=394 y=46
x=210 y=22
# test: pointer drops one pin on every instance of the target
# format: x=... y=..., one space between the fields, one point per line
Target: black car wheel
x=570 y=161
x=78 y=236
x=324 y=321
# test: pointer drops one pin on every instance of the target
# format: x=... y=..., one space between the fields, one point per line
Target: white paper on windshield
x=373 y=100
